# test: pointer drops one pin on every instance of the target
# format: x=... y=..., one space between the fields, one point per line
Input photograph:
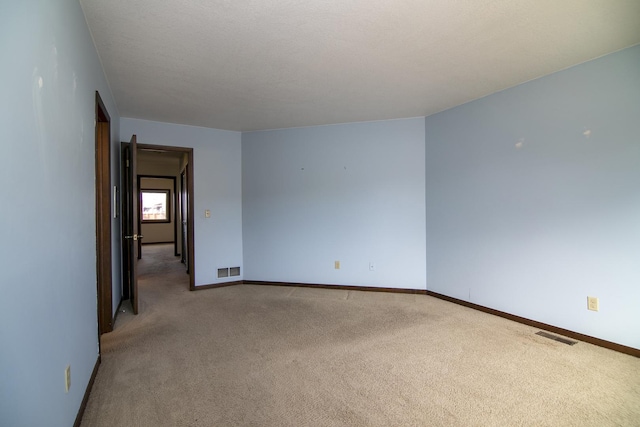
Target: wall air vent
x=234 y=271
x=223 y=272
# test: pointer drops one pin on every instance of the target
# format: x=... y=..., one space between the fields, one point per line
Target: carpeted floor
x=279 y=356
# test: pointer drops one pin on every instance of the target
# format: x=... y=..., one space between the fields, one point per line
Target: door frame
x=103 y=216
x=190 y=204
x=183 y=196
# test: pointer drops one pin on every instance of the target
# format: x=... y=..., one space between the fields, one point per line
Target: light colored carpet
x=280 y=356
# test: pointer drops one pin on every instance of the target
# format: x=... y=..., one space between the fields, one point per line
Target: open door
x=130 y=222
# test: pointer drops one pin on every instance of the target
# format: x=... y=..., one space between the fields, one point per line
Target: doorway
x=158 y=168
x=159 y=210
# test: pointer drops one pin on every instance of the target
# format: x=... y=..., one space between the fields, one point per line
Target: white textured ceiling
x=265 y=64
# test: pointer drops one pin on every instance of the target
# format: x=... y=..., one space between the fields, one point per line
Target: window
x=155 y=205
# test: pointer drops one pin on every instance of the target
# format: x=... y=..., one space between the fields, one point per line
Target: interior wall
x=217 y=187
x=353 y=193
x=160 y=232
x=48 y=80
x=116 y=230
x=160 y=164
x=533 y=200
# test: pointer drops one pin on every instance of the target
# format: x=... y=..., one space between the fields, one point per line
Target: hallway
x=159 y=262
x=159 y=272
x=161 y=278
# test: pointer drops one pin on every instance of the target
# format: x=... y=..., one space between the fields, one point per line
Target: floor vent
x=556 y=338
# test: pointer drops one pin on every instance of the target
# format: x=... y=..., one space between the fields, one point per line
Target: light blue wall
x=48 y=78
x=352 y=193
x=217 y=187
x=533 y=199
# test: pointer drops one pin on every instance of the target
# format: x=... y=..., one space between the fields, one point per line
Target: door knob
x=134 y=237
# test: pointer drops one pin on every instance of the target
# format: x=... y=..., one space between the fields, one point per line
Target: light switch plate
x=67 y=378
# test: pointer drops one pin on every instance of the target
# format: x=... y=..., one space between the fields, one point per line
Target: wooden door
x=130 y=223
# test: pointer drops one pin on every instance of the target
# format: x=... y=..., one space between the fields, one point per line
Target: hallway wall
x=217 y=186
x=48 y=79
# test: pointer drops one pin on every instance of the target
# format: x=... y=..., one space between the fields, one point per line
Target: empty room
x=336 y=213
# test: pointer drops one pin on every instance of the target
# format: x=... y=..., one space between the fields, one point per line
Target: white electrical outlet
x=593 y=304
x=372 y=267
x=67 y=378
